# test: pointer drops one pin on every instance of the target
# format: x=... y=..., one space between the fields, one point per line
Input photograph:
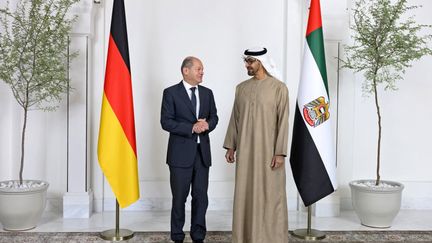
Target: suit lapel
x=185 y=97
x=201 y=101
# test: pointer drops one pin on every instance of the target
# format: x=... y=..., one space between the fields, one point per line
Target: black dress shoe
x=178 y=241
x=198 y=241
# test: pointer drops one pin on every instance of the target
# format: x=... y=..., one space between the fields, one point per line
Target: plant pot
x=376 y=206
x=22 y=208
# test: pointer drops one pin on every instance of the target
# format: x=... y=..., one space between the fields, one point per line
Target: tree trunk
x=22 y=145
x=378 y=177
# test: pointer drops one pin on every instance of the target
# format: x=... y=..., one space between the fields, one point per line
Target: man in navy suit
x=189 y=114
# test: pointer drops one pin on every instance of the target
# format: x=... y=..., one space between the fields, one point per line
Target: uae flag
x=116 y=146
x=312 y=157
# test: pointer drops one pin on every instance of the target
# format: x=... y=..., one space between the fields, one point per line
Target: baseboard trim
x=163 y=204
x=424 y=203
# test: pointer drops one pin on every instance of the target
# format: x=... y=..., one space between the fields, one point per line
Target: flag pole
x=117 y=234
x=309 y=233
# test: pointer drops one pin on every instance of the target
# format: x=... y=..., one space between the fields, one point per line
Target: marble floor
x=221 y=221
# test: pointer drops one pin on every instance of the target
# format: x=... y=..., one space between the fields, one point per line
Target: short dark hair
x=187 y=62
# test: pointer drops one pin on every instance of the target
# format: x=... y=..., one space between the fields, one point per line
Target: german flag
x=117 y=146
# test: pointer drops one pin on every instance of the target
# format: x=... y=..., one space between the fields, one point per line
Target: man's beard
x=251 y=72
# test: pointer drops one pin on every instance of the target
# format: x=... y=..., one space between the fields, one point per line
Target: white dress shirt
x=189 y=92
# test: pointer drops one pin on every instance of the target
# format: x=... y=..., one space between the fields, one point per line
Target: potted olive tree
x=34 y=64
x=386 y=42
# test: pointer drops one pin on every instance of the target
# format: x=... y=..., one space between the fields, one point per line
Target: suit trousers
x=181 y=180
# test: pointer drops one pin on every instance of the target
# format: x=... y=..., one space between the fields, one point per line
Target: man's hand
x=277 y=162
x=229 y=156
x=200 y=126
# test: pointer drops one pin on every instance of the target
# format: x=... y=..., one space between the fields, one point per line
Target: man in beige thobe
x=257 y=138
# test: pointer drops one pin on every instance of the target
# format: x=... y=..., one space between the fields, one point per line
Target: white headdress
x=260 y=53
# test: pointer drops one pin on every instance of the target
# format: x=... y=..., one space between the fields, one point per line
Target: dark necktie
x=193 y=98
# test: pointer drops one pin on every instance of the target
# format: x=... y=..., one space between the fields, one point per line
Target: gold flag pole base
x=309 y=234
x=121 y=235
x=117 y=234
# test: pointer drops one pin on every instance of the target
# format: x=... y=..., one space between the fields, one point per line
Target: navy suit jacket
x=178 y=118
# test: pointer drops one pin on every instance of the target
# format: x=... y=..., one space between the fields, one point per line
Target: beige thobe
x=258 y=130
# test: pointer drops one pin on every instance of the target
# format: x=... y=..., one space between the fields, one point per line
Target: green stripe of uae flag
x=312 y=157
